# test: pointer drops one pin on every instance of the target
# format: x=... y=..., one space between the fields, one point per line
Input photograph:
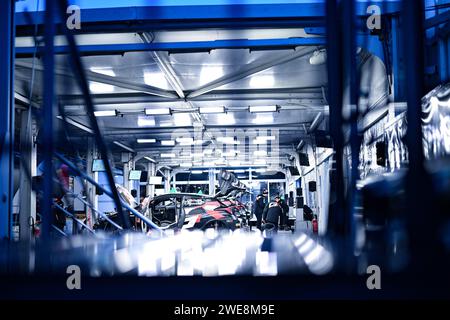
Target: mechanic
x=285 y=217
x=272 y=214
x=258 y=208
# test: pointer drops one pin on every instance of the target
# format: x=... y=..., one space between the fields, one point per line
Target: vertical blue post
x=6 y=116
x=47 y=124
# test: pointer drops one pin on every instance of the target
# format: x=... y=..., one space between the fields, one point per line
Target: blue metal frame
x=135 y=16
x=83 y=175
x=6 y=116
x=47 y=120
x=196 y=46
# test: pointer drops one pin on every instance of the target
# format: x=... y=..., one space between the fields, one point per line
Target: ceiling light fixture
x=254 y=109
x=146 y=140
x=206 y=110
x=157 y=111
x=146 y=122
x=167 y=155
x=105 y=113
x=260 y=153
x=227 y=140
x=167 y=143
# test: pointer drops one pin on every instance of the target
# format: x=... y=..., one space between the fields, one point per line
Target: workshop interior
x=214 y=149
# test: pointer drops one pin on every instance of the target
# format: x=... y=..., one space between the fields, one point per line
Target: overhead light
x=265 y=81
x=234 y=163
x=155 y=79
x=97 y=87
x=182 y=119
x=123 y=146
x=266 y=138
x=105 y=71
x=157 y=111
x=150 y=159
x=146 y=122
x=227 y=140
x=231 y=153
x=146 y=140
x=185 y=141
x=263 y=108
x=260 y=162
x=186 y=164
x=239 y=171
x=105 y=113
x=210 y=73
x=167 y=142
x=212 y=109
x=196 y=171
x=260 y=170
x=196 y=155
x=260 y=153
x=167 y=155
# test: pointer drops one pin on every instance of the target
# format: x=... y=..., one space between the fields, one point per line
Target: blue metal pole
x=335 y=97
x=6 y=116
x=47 y=123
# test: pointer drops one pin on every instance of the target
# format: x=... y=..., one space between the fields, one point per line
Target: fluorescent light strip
x=260 y=153
x=206 y=110
x=263 y=108
x=105 y=113
x=146 y=140
x=196 y=171
x=157 y=111
x=167 y=143
x=167 y=155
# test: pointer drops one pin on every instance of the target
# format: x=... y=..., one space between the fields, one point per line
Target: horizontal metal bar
x=240 y=94
x=195 y=46
x=137 y=10
x=70 y=215
x=441 y=18
x=98 y=212
x=59 y=231
x=107 y=192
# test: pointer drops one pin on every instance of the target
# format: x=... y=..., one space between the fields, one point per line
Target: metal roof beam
x=251 y=69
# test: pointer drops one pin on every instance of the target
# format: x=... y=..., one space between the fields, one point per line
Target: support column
x=27 y=208
x=92 y=154
x=6 y=116
x=127 y=166
x=167 y=181
x=212 y=182
x=150 y=188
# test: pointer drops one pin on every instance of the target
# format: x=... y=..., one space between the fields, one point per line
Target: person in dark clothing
x=285 y=216
x=258 y=208
x=272 y=213
x=307 y=213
